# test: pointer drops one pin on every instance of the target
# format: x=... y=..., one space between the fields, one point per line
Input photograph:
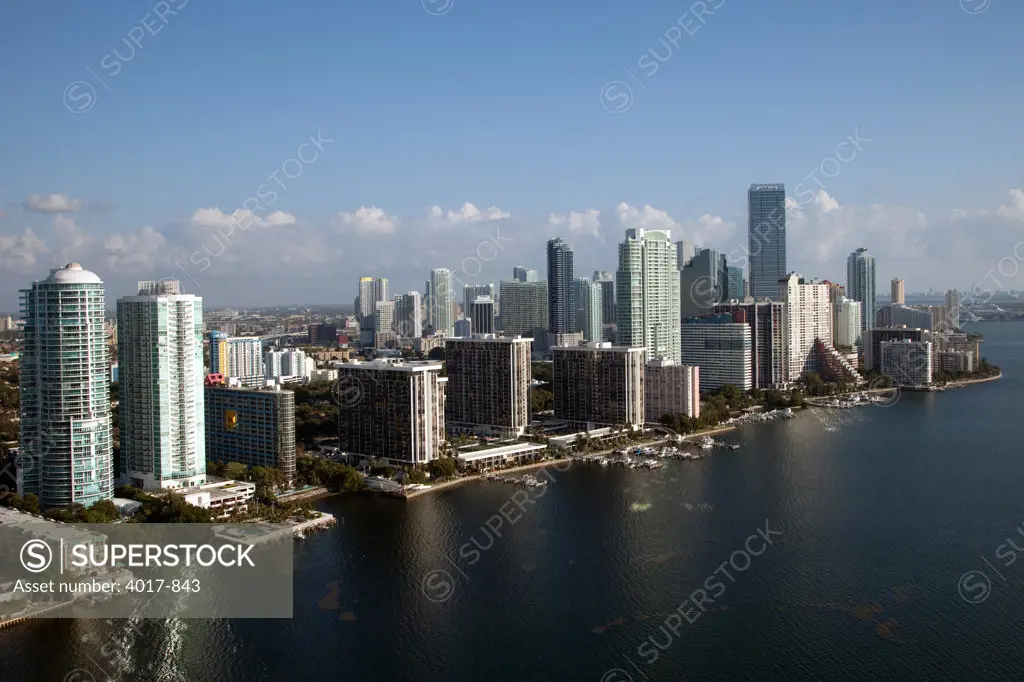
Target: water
x=881 y=510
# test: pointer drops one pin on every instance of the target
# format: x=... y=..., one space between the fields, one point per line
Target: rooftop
x=73 y=273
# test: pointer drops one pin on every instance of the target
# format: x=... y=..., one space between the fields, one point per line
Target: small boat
x=734 y=446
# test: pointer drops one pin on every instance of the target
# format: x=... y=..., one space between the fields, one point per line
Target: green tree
x=30 y=504
x=442 y=467
x=541 y=400
x=235 y=471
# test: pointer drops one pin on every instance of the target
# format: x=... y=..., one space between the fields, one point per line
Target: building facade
x=808 y=318
x=399 y=414
x=767 y=322
x=322 y=334
x=909 y=363
x=953 y=309
x=481 y=312
x=722 y=348
x=873 y=339
x=860 y=285
x=561 y=306
x=252 y=426
x=66 y=441
x=846 y=318
x=409 y=315
x=521 y=274
x=599 y=384
x=160 y=347
x=647 y=293
x=589 y=309
x=898 y=294
x=606 y=281
x=524 y=307
x=671 y=388
x=441 y=300
x=703 y=283
x=903 y=316
x=488 y=390
x=766 y=236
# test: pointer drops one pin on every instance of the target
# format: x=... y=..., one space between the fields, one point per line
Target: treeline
x=719 y=406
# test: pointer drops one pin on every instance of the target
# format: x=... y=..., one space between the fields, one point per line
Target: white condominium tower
x=370 y=291
x=440 y=301
x=647 y=293
x=808 y=318
x=408 y=315
x=160 y=356
x=64 y=374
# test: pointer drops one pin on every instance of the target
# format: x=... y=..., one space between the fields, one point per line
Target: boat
x=734 y=446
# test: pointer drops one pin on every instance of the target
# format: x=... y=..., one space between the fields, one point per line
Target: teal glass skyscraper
x=66 y=444
x=561 y=303
x=766 y=232
x=860 y=285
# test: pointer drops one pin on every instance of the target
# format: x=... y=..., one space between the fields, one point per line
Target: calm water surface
x=881 y=512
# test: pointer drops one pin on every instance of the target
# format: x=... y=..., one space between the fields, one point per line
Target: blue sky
x=497 y=104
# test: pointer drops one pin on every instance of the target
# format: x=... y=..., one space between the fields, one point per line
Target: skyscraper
x=860 y=285
x=488 y=387
x=647 y=286
x=703 y=283
x=952 y=309
x=808 y=319
x=897 y=292
x=767 y=322
x=524 y=307
x=766 y=234
x=64 y=378
x=685 y=251
x=440 y=301
x=587 y=295
x=607 y=282
x=160 y=353
x=470 y=292
x=734 y=283
x=370 y=292
x=599 y=384
x=481 y=314
x=409 y=315
x=561 y=308
x=846 y=322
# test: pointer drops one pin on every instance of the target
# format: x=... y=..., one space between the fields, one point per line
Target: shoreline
x=968 y=382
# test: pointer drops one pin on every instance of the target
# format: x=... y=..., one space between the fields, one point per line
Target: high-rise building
x=766 y=233
x=398 y=415
x=471 y=292
x=722 y=348
x=703 y=282
x=909 y=363
x=463 y=329
x=237 y=357
x=808 y=319
x=524 y=307
x=322 y=335
x=599 y=385
x=371 y=290
x=860 y=285
x=6 y=323
x=647 y=293
x=251 y=426
x=521 y=274
x=561 y=307
x=952 y=309
x=671 y=388
x=685 y=251
x=160 y=347
x=440 y=301
x=873 y=339
x=291 y=363
x=384 y=317
x=481 y=313
x=587 y=296
x=846 y=318
x=767 y=322
x=66 y=443
x=734 y=284
x=409 y=315
x=607 y=282
x=897 y=294
x=488 y=390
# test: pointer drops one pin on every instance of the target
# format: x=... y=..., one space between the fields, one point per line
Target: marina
x=527 y=481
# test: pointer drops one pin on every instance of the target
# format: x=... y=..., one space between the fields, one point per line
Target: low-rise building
x=954 y=361
x=482 y=458
x=222 y=497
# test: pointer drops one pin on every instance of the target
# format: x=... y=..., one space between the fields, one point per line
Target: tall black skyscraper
x=561 y=306
x=766 y=231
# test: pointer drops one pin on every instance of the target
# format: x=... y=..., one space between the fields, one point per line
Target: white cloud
x=584 y=222
x=71 y=240
x=241 y=218
x=467 y=214
x=52 y=203
x=367 y=221
x=19 y=252
x=142 y=251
